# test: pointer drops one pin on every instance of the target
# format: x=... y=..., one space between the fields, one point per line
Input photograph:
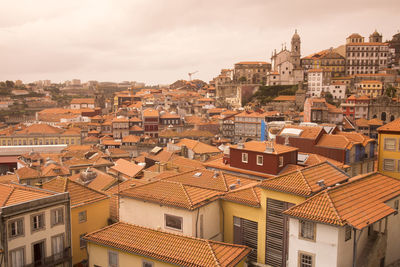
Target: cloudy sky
x=160 y=41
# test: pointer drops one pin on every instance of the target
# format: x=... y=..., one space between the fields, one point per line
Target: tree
x=242 y=79
x=329 y=98
x=9 y=84
x=391 y=91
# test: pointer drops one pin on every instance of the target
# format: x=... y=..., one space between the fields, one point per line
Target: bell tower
x=295 y=51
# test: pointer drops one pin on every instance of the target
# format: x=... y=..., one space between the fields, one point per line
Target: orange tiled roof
x=167 y=247
x=375 y=121
x=130 y=139
x=79 y=194
x=39 y=129
x=12 y=194
x=285 y=98
x=197 y=146
x=101 y=182
x=248 y=195
x=309 y=132
x=334 y=141
x=5 y=179
x=27 y=173
x=252 y=63
x=82 y=101
x=304 y=182
x=212 y=180
x=260 y=146
x=361 y=122
x=126 y=167
x=358 y=203
x=393 y=126
x=173 y=193
x=150 y=113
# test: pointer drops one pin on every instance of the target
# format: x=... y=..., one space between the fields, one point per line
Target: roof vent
x=238 y=181
x=232 y=186
x=216 y=174
x=321 y=183
x=197 y=174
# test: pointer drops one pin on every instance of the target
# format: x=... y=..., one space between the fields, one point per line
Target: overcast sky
x=160 y=41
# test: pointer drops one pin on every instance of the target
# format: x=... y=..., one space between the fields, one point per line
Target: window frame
x=312 y=255
x=22 y=228
x=347 y=233
x=302 y=224
x=53 y=216
x=43 y=226
x=262 y=160
x=79 y=216
x=115 y=253
x=171 y=227
x=147 y=262
x=245 y=157
x=82 y=242
x=60 y=253
x=23 y=255
x=280 y=161
x=390 y=170
x=385 y=144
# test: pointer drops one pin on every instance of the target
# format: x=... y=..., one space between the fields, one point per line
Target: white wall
x=152 y=215
x=325 y=247
x=29 y=237
x=393 y=239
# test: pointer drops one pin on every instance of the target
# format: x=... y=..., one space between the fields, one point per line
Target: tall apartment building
x=328 y=60
x=366 y=57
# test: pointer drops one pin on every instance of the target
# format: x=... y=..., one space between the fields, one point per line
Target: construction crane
x=191 y=73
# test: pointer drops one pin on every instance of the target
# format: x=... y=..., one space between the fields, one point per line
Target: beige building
x=366 y=57
x=253 y=72
x=35 y=225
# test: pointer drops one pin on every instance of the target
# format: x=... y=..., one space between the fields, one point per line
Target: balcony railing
x=53 y=260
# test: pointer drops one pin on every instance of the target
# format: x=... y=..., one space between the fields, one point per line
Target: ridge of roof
x=186 y=193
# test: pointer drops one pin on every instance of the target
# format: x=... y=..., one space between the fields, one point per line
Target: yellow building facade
x=370 y=88
x=97 y=214
x=389 y=149
x=256 y=214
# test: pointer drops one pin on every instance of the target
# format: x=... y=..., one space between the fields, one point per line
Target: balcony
x=53 y=260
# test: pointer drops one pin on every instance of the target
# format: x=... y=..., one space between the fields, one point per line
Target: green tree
x=242 y=79
x=391 y=91
x=329 y=98
x=10 y=84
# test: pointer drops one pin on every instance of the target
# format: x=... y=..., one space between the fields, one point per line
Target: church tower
x=295 y=51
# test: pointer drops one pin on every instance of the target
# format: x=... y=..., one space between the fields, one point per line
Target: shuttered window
x=390 y=144
x=276 y=247
x=388 y=164
x=245 y=232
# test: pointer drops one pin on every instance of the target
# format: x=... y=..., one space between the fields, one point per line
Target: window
x=112 y=259
x=57 y=246
x=57 y=216
x=16 y=228
x=82 y=242
x=173 y=222
x=347 y=233
x=307 y=230
x=17 y=257
x=260 y=159
x=82 y=216
x=280 y=161
x=388 y=164
x=245 y=157
x=147 y=263
x=37 y=222
x=306 y=260
x=390 y=144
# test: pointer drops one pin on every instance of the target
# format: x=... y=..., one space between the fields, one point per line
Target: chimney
x=163 y=167
x=184 y=151
x=158 y=169
x=321 y=183
x=269 y=147
x=287 y=141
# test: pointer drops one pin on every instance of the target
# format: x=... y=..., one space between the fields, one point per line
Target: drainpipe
x=197 y=219
x=354 y=248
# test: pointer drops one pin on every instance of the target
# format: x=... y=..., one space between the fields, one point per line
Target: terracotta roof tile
x=126 y=167
x=12 y=194
x=187 y=251
x=260 y=146
x=359 y=202
x=173 y=193
x=248 y=195
x=101 y=182
x=79 y=194
x=197 y=146
x=393 y=126
x=304 y=182
x=309 y=132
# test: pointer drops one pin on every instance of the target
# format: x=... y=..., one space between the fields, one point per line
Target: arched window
x=383 y=116
x=375 y=116
x=392 y=118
